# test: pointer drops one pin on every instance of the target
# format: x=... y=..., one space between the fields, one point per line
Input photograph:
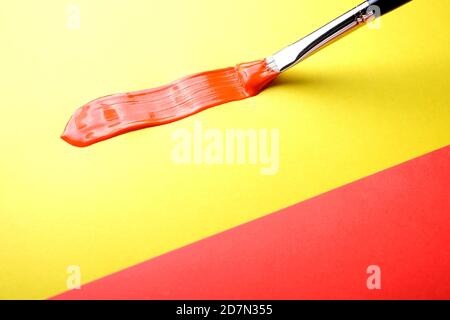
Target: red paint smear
x=317 y=249
x=116 y=114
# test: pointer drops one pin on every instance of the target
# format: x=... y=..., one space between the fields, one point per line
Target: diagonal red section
x=398 y=219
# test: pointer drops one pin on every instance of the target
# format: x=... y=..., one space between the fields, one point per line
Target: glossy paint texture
x=116 y=114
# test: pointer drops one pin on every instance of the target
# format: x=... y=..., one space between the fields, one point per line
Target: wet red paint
x=116 y=114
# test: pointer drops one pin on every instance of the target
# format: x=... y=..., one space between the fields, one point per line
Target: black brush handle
x=387 y=5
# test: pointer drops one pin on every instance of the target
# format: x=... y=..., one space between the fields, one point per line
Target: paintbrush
x=339 y=27
x=112 y=115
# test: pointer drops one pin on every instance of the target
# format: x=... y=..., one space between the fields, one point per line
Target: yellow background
x=372 y=100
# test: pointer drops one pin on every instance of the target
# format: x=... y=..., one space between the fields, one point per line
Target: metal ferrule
x=300 y=50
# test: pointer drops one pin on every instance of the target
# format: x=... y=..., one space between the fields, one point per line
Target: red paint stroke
x=116 y=114
x=397 y=219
